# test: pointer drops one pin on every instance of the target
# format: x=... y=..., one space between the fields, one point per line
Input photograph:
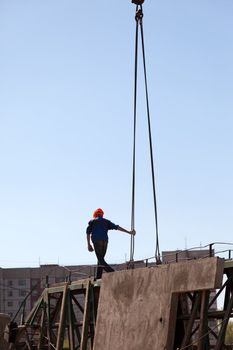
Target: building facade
x=21 y=287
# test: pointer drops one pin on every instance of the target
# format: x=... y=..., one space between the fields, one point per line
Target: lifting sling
x=139 y=18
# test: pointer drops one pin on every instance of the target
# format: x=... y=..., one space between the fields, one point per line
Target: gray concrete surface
x=137 y=307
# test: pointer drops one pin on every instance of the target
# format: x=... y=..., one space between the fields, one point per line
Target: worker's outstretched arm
x=89 y=246
x=131 y=232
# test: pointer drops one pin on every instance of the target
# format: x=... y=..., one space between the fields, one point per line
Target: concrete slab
x=135 y=306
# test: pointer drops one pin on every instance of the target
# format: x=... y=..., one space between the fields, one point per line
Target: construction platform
x=171 y=306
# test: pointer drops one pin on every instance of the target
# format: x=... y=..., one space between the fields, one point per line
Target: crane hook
x=138 y=2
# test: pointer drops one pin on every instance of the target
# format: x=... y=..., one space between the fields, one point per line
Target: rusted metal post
x=188 y=333
x=86 y=318
x=211 y=250
x=47 y=304
x=70 y=322
x=203 y=342
x=41 y=338
x=61 y=327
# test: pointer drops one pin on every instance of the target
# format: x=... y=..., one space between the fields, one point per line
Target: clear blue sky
x=66 y=122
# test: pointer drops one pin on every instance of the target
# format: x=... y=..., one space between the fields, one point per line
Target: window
x=22 y=293
x=9 y=293
x=10 y=303
x=22 y=282
x=59 y=279
x=35 y=281
x=10 y=283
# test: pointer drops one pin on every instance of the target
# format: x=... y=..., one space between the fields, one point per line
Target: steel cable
x=134 y=143
x=138 y=18
x=157 y=251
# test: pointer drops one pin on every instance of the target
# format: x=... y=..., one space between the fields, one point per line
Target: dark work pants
x=100 y=251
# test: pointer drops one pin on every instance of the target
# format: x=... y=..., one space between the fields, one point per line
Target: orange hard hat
x=98 y=211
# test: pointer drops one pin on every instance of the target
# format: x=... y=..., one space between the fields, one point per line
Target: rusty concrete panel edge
x=214 y=281
x=208 y=273
x=220 y=272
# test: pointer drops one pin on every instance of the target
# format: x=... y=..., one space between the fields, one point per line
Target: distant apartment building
x=21 y=287
x=18 y=284
x=184 y=255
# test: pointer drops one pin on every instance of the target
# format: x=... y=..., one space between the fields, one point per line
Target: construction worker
x=97 y=231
